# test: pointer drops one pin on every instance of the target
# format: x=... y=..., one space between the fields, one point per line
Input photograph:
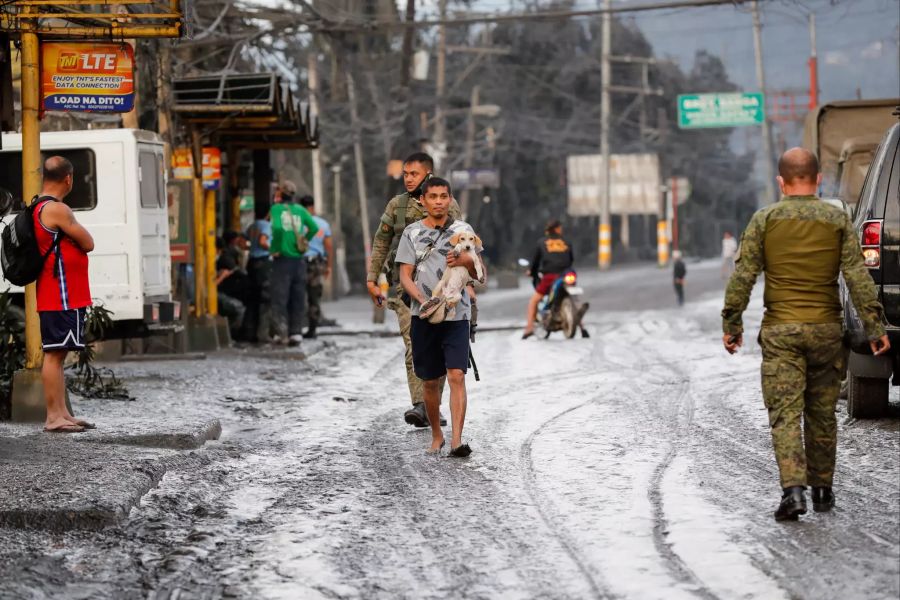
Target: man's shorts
x=62 y=329
x=438 y=347
x=546 y=282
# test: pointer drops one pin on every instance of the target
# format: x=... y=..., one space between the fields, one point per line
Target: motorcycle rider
x=553 y=257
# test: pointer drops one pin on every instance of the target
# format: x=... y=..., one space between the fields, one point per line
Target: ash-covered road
x=634 y=464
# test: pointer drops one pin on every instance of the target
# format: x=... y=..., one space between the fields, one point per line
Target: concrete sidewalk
x=91 y=479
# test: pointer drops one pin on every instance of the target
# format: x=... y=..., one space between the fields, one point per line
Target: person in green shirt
x=292 y=228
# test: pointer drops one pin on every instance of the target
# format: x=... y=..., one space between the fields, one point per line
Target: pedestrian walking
x=439 y=349
x=319 y=259
x=802 y=244
x=292 y=229
x=63 y=289
x=729 y=248
x=679 y=272
x=401 y=211
x=257 y=319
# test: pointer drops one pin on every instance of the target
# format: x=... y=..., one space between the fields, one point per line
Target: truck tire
x=867 y=397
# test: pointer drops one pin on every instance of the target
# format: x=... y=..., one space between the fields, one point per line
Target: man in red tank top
x=63 y=293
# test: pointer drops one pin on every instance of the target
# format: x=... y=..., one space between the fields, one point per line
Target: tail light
x=871 y=244
x=569 y=278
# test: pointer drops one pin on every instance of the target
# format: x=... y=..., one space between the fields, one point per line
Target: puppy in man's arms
x=448 y=292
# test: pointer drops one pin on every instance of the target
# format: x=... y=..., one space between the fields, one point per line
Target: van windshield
x=84 y=192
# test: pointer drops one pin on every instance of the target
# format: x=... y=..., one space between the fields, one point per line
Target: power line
x=535 y=16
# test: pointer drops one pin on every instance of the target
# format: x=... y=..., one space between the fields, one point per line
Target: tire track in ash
x=676 y=565
x=556 y=529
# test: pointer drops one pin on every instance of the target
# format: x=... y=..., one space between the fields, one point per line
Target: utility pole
x=813 y=65
x=440 y=124
x=761 y=80
x=470 y=148
x=604 y=235
x=360 y=170
x=31 y=171
x=313 y=82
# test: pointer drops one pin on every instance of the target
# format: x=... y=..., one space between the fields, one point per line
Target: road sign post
x=721 y=110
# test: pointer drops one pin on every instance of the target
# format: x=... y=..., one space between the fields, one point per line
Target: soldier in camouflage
x=403 y=210
x=802 y=244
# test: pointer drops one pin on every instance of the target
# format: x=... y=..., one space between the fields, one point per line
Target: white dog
x=448 y=292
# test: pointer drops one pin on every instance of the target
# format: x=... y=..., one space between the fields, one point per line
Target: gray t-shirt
x=416 y=241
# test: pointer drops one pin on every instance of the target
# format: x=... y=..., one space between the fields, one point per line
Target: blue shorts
x=62 y=329
x=438 y=347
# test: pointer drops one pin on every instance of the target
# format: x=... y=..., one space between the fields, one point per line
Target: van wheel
x=867 y=397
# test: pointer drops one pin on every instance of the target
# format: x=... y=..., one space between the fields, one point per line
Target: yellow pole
x=604 y=246
x=662 y=243
x=199 y=249
x=31 y=176
x=212 y=300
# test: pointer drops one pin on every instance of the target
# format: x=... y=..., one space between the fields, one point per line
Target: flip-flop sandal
x=461 y=451
x=86 y=425
x=72 y=428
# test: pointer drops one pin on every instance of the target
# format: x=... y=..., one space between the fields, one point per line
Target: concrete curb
x=89 y=480
x=176 y=440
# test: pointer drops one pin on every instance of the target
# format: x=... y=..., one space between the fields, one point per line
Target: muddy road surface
x=633 y=464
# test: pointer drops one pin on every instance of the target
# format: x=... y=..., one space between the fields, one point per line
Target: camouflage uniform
x=384 y=249
x=315 y=273
x=802 y=244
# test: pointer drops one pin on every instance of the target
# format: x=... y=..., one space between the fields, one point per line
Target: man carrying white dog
x=442 y=348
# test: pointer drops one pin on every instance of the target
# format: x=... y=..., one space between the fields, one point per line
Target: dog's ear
x=454 y=239
x=478 y=242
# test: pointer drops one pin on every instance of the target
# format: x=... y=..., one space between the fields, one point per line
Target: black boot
x=418 y=417
x=311 y=330
x=823 y=499
x=793 y=504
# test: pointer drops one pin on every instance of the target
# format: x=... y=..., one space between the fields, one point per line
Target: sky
x=857 y=40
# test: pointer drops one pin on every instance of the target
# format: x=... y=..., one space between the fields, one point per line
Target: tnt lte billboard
x=87 y=77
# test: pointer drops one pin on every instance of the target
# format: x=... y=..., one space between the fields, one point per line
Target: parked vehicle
x=843 y=135
x=119 y=195
x=877 y=222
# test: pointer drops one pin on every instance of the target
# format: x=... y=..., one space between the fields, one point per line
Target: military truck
x=844 y=135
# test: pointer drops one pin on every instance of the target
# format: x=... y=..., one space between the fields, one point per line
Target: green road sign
x=720 y=110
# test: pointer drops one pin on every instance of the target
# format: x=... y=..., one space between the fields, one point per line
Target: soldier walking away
x=679 y=273
x=729 y=247
x=403 y=210
x=439 y=349
x=802 y=244
x=319 y=259
x=63 y=290
x=292 y=229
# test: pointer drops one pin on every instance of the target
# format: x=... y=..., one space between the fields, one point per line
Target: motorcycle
x=563 y=308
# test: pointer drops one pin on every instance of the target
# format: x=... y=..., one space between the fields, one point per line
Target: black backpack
x=20 y=257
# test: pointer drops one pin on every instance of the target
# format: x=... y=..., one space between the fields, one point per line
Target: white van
x=119 y=195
